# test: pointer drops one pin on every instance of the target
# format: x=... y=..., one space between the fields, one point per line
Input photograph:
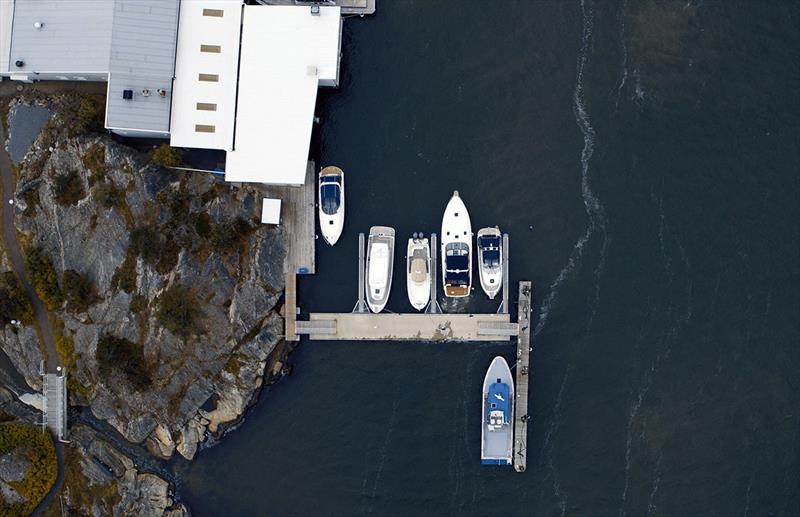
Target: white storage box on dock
x=271 y=211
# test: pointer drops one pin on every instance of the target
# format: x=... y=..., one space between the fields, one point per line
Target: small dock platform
x=349 y=7
x=521 y=417
x=407 y=327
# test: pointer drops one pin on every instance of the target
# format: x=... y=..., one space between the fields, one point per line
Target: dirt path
x=46 y=334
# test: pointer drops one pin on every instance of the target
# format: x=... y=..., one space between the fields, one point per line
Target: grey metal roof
x=75 y=36
x=142 y=57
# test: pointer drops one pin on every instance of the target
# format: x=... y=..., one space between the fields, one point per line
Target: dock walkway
x=407 y=327
x=522 y=377
x=298 y=212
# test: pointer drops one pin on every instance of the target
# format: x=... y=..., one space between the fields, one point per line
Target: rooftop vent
x=38 y=26
x=145 y=93
x=19 y=63
x=127 y=94
x=314 y=10
x=162 y=92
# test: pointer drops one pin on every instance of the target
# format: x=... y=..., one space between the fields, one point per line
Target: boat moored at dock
x=380 y=263
x=497 y=431
x=418 y=271
x=456 y=249
x=490 y=260
x=331 y=203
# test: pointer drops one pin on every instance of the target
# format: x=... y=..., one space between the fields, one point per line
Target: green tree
x=166 y=156
x=178 y=310
x=116 y=353
x=44 y=276
x=37 y=447
x=78 y=290
x=68 y=188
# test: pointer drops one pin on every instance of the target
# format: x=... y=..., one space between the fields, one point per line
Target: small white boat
x=418 y=271
x=490 y=260
x=331 y=203
x=456 y=249
x=380 y=262
x=497 y=429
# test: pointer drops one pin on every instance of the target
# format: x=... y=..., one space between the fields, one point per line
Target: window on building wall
x=203 y=128
x=216 y=13
x=214 y=49
x=206 y=106
x=211 y=78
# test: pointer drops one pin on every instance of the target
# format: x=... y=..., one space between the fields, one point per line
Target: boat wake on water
x=594 y=208
x=597 y=221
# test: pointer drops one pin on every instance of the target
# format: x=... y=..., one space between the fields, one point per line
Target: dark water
x=653 y=147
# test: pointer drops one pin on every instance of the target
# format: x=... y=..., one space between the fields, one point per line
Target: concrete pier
x=407 y=327
x=521 y=417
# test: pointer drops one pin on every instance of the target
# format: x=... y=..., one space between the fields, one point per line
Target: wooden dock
x=521 y=416
x=407 y=327
x=298 y=218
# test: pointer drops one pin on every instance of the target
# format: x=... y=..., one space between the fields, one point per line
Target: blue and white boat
x=331 y=203
x=497 y=429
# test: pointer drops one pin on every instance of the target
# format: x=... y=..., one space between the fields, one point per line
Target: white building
x=208 y=74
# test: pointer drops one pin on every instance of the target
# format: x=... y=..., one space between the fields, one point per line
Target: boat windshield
x=490 y=250
x=491 y=258
x=329 y=197
x=460 y=263
x=456 y=277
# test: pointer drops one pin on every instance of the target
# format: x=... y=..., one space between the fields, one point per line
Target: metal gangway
x=54 y=395
x=433 y=305
x=361 y=304
x=503 y=309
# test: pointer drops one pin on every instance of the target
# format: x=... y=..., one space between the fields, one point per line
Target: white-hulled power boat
x=490 y=260
x=456 y=249
x=380 y=262
x=331 y=203
x=418 y=271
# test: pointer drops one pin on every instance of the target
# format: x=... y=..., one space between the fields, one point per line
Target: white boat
x=331 y=203
x=418 y=271
x=497 y=427
x=490 y=260
x=380 y=262
x=456 y=249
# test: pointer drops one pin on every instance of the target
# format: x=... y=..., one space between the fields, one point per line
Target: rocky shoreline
x=175 y=324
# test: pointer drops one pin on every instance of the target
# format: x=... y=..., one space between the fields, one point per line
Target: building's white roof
x=271 y=211
x=74 y=36
x=285 y=53
x=142 y=58
x=196 y=29
x=6 y=16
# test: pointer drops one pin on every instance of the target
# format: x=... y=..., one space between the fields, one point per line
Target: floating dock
x=522 y=377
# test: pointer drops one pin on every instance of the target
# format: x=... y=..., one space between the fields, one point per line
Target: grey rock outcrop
x=196 y=382
x=121 y=488
x=22 y=347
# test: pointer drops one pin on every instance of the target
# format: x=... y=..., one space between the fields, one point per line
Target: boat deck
x=407 y=327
